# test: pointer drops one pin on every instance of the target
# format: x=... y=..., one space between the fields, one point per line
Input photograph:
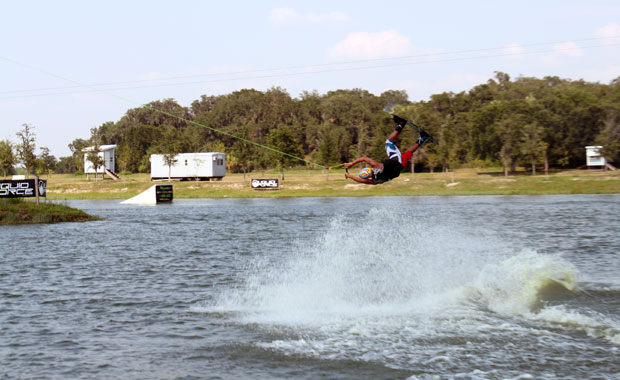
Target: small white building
x=593 y=156
x=107 y=152
x=203 y=165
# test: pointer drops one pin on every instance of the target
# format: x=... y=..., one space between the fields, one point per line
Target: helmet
x=365 y=173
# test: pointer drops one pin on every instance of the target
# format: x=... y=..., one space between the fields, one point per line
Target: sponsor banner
x=163 y=193
x=21 y=188
x=265 y=184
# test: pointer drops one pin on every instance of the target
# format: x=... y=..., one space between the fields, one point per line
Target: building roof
x=101 y=148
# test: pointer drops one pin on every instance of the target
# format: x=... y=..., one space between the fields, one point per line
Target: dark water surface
x=486 y=287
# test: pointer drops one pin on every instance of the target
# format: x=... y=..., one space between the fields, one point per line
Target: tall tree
x=432 y=160
x=65 y=165
x=77 y=154
x=133 y=156
x=328 y=152
x=7 y=158
x=169 y=146
x=243 y=151
x=26 y=148
x=609 y=137
x=94 y=153
x=532 y=145
x=159 y=112
x=393 y=98
x=46 y=161
x=284 y=141
x=509 y=131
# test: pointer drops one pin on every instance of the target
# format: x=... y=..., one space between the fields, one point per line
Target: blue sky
x=127 y=53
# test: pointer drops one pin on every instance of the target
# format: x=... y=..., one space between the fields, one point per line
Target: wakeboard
x=414 y=126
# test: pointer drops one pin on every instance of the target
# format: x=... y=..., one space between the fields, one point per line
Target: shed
x=593 y=156
x=199 y=166
x=107 y=152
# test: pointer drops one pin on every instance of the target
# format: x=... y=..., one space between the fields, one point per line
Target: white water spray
x=386 y=264
x=385 y=286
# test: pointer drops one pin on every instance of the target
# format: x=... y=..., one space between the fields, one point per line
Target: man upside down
x=390 y=168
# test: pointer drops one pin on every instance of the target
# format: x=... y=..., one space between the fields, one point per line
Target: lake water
x=506 y=287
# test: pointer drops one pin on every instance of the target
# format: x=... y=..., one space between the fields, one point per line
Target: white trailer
x=107 y=154
x=593 y=156
x=196 y=166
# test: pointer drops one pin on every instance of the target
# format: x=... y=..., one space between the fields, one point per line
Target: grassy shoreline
x=313 y=183
x=17 y=211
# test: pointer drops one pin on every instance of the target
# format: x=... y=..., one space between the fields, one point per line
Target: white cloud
x=608 y=31
x=568 y=48
x=290 y=16
x=364 y=45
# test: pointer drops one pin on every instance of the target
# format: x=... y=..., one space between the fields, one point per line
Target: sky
x=69 y=66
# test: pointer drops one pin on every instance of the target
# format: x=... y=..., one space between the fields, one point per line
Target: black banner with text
x=265 y=184
x=21 y=188
x=163 y=193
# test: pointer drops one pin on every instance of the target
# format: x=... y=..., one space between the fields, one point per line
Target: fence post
x=36 y=187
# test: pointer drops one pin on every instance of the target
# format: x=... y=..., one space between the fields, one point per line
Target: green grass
x=17 y=211
x=313 y=183
x=308 y=183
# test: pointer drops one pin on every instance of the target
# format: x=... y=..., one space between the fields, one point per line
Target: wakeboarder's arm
x=374 y=164
x=369 y=161
x=360 y=180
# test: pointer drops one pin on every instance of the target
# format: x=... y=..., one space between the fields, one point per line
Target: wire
x=335 y=166
x=308 y=67
x=158 y=110
x=93 y=88
x=233 y=136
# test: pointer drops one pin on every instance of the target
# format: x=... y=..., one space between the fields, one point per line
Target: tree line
x=524 y=122
x=24 y=152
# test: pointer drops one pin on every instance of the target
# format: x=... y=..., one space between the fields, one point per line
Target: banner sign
x=21 y=188
x=163 y=193
x=265 y=184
